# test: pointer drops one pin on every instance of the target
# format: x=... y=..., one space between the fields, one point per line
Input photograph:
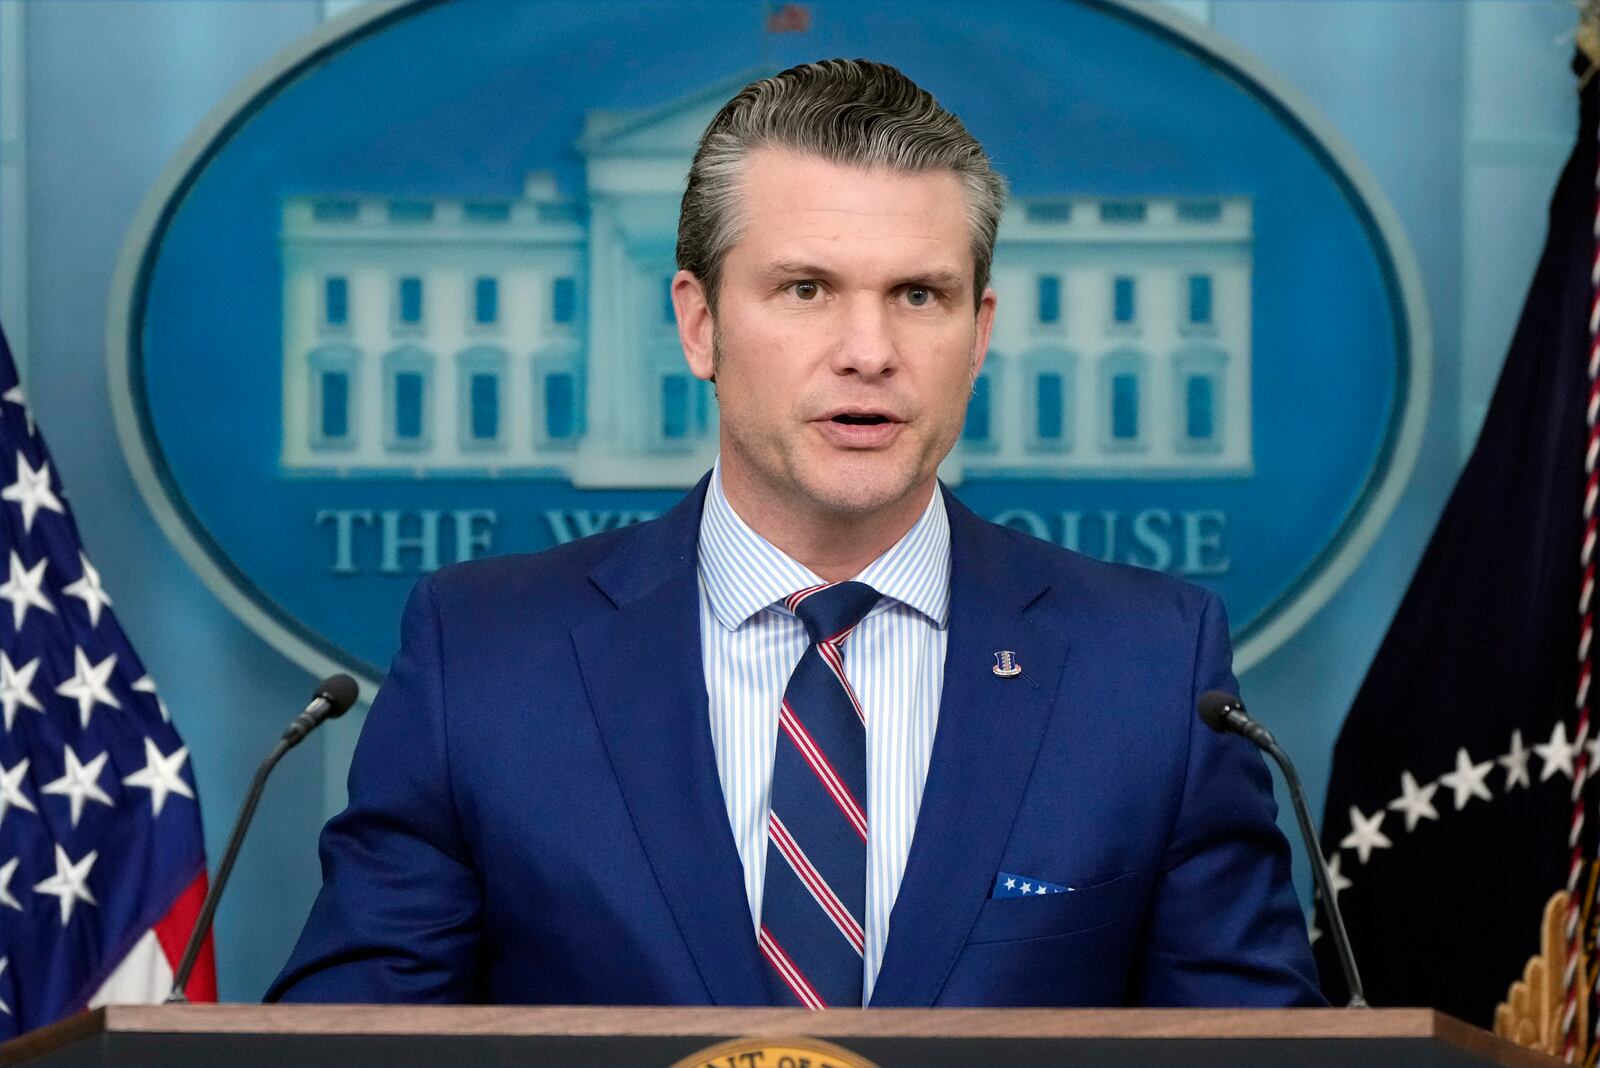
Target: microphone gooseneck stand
x=1225 y=714
x=333 y=698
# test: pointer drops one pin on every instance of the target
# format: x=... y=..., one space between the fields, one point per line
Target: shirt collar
x=743 y=573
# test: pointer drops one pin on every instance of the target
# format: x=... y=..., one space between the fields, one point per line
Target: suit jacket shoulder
x=1157 y=611
x=550 y=587
x=550 y=593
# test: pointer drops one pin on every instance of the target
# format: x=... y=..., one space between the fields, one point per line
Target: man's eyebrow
x=946 y=280
x=939 y=278
x=795 y=269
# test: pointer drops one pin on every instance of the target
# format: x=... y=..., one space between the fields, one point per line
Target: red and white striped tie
x=813 y=904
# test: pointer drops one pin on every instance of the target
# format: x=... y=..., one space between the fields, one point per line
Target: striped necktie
x=814 y=899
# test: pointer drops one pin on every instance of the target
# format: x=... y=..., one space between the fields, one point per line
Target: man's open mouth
x=860 y=418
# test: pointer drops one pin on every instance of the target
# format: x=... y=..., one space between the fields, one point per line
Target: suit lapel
x=989 y=732
x=642 y=668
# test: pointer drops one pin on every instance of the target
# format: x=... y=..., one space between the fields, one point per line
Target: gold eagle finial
x=1588 y=36
x=1531 y=1014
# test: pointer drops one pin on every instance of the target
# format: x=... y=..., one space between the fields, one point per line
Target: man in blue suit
x=819 y=735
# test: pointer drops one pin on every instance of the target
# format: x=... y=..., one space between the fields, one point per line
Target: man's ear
x=695 y=326
x=985 y=327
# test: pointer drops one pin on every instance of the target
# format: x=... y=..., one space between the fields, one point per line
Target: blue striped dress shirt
x=895 y=660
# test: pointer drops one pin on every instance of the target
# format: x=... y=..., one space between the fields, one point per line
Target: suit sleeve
x=1225 y=928
x=398 y=916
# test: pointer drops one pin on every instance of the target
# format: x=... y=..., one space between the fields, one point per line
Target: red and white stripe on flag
x=146 y=973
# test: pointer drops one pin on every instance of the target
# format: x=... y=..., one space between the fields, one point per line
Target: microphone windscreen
x=1214 y=707
x=340 y=691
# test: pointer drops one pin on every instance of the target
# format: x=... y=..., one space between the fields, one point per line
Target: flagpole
x=1571 y=1040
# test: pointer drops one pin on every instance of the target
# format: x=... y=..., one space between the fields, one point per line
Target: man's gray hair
x=847 y=111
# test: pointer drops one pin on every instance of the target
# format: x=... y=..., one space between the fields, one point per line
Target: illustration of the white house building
x=534 y=337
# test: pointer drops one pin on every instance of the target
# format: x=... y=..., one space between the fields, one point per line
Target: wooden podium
x=356 y=1036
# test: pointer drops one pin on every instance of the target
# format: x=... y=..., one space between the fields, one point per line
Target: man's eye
x=918 y=297
x=807 y=290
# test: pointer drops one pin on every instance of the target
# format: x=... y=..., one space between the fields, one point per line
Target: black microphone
x=333 y=697
x=1225 y=714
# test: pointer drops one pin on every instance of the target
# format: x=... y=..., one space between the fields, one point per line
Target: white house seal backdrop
x=403 y=301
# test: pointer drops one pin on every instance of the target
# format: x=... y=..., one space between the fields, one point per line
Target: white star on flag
x=1365 y=834
x=1467 y=780
x=20 y=399
x=1415 y=801
x=7 y=870
x=32 y=491
x=1337 y=880
x=68 y=882
x=11 y=789
x=1557 y=753
x=146 y=684
x=22 y=589
x=80 y=782
x=16 y=687
x=87 y=588
x=1516 y=763
x=160 y=775
x=1011 y=884
x=88 y=684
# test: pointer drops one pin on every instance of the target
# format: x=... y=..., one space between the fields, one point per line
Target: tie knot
x=829 y=611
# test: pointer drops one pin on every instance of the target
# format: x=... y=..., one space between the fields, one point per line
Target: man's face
x=845 y=341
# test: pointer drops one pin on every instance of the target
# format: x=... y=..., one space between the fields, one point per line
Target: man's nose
x=867 y=341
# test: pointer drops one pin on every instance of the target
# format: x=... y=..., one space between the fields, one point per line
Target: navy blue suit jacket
x=535 y=812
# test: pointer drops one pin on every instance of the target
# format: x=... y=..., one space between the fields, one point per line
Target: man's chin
x=850 y=492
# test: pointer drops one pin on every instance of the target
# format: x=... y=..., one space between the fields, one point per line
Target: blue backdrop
x=112 y=89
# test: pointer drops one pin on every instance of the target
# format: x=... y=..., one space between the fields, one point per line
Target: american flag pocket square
x=1009 y=884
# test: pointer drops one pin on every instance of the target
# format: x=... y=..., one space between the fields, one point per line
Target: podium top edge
x=586 y=1020
x=714 y=1023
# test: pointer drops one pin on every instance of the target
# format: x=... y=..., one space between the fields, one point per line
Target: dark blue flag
x=102 y=867
x=1449 y=805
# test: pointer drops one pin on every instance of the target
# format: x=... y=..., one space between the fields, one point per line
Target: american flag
x=102 y=866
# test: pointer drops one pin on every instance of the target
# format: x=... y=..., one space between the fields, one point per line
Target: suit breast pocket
x=1010 y=919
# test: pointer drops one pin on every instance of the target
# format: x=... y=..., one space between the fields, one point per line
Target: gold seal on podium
x=774 y=1053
